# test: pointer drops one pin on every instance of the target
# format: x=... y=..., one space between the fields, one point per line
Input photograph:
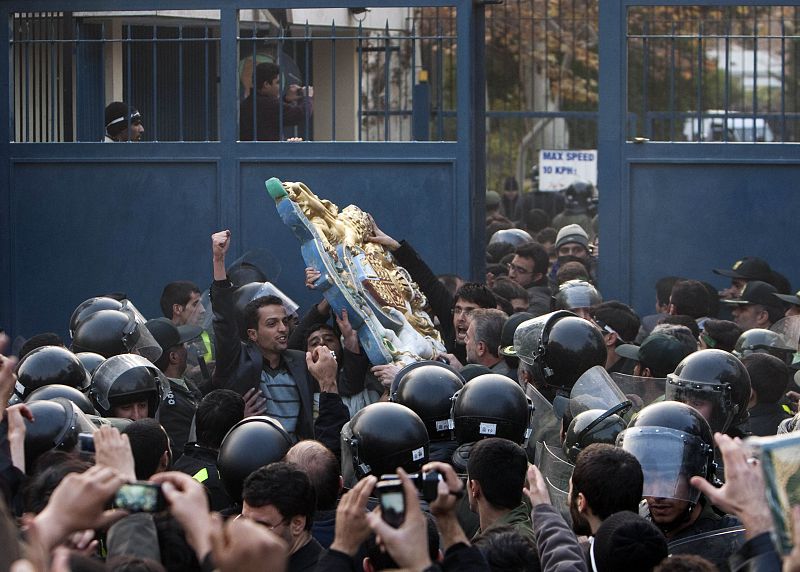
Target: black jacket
x=200 y=463
x=176 y=412
x=239 y=364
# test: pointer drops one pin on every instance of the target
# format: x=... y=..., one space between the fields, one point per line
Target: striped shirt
x=283 y=398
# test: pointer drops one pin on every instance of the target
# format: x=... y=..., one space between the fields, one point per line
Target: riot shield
x=595 y=389
x=545 y=426
x=554 y=466
x=642 y=391
x=715 y=546
x=558 y=498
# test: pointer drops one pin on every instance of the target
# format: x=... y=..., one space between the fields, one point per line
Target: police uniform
x=177 y=412
x=200 y=463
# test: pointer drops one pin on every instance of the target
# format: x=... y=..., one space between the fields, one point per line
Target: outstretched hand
x=380 y=237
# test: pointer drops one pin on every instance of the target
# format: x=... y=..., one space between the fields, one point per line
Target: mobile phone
x=86 y=443
x=391 y=497
x=140 y=497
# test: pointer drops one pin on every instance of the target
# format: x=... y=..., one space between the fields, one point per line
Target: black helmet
x=114 y=332
x=560 y=347
x=89 y=307
x=578 y=195
x=491 y=405
x=382 y=437
x=90 y=361
x=126 y=378
x=672 y=442
x=576 y=294
x=513 y=236
x=716 y=376
x=759 y=340
x=56 y=425
x=47 y=365
x=592 y=426
x=427 y=388
x=252 y=443
x=48 y=392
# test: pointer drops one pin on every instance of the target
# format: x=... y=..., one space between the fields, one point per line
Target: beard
x=580 y=526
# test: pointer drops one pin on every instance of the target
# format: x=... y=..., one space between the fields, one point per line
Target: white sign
x=558 y=169
x=487 y=429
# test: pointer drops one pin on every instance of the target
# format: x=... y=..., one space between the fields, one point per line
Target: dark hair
x=685 y=563
x=498 y=269
x=450 y=281
x=148 y=443
x=775 y=311
x=723 y=332
x=664 y=288
x=500 y=466
x=47 y=476
x=477 y=294
x=620 y=317
x=781 y=283
x=600 y=471
x=489 y=327
x=322 y=469
x=495 y=225
x=573 y=270
x=769 y=376
x=504 y=305
x=536 y=252
x=38 y=341
x=504 y=548
x=381 y=560
x=315 y=328
x=283 y=486
x=218 y=411
x=546 y=235
x=682 y=320
x=712 y=298
x=690 y=298
x=509 y=289
x=536 y=220
x=265 y=72
x=179 y=292
x=253 y=306
x=128 y=563
x=497 y=250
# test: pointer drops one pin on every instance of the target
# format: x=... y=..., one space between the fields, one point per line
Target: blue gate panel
x=408 y=200
x=85 y=229
x=687 y=219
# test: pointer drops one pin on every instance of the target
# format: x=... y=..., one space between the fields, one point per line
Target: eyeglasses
x=264 y=524
x=518 y=269
x=458 y=311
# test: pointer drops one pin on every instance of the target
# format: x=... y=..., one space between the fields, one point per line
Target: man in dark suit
x=287 y=379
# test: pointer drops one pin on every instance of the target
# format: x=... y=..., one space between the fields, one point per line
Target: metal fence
x=714 y=73
x=390 y=82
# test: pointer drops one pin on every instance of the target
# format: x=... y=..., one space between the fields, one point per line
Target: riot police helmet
x=578 y=195
x=491 y=405
x=513 y=236
x=89 y=307
x=574 y=294
x=57 y=424
x=380 y=438
x=125 y=379
x=714 y=382
x=559 y=347
x=90 y=361
x=55 y=390
x=592 y=426
x=47 y=365
x=252 y=443
x=673 y=442
x=427 y=388
x=114 y=332
x=759 y=340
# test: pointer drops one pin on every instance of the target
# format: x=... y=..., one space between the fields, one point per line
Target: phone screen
x=393 y=507
x=140 y=497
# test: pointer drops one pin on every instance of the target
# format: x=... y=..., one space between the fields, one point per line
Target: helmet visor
x=527 y=339
x=712 y=400
x=789 y=330
x=269 y=289
x=595 y=389
x=668 y=458
x=136 y=337
x=641 y=391
x=108 y=372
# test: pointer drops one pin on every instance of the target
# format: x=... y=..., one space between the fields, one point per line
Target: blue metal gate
x=687 y=181
x=81 y=218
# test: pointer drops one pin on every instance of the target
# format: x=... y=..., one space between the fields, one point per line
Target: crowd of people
x=558 y=431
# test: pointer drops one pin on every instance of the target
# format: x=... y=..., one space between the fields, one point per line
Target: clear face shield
x=111 y=369
x=595 y=389
x=269 y=289
x=713 y=401
x=137 y=338
x=527 y=338
x=789 y=329
x=641 y=391
x=669 y=458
